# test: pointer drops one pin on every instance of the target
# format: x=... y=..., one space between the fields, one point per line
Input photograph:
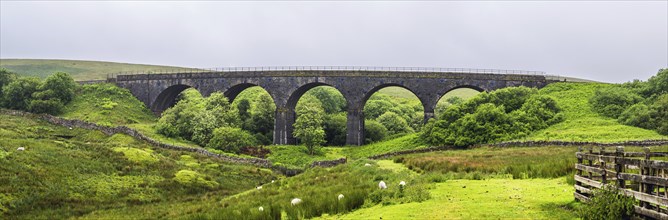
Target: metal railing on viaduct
x=159 y=89
x=330 y=68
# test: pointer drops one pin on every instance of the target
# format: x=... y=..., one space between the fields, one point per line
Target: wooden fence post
x=604 y=175
x=619 y=167
x=591 y=163
x=645 y=171
x=578 y=172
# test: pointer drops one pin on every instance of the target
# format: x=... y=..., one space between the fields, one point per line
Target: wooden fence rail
x=633 y=173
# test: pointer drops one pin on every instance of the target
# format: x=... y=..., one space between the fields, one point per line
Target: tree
x=394 y=123
x=231 y=139
x=374 y=108
x=18 y=93
x=661 y=106
x=244 y=108
x=61 y=87
x=335 y=129
x=331 y=99
x=612 y=101
x=308 y=127
x=262 y=119
x=639 y=115
x=374 y=131
x=56 y=91
x=6 y=77
x=657 y=84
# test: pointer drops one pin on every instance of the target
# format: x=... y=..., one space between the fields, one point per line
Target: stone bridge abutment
x=159 y=91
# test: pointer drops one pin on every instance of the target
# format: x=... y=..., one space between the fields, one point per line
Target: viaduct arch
x=159 y=91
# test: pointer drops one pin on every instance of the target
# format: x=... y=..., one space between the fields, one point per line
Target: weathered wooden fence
x=634 y=173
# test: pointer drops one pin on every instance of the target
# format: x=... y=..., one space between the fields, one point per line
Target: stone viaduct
x=159 y=91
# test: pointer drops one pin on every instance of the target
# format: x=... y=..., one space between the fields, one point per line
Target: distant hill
x=79 y=69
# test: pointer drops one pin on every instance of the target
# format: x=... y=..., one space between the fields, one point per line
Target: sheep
x=261 y=209
x=295 y=201
x=259 y=187
x=272 y=181
x=21 y=149
x=382 y=185
x=340 y=196
x=367 y=165
x=402 y=183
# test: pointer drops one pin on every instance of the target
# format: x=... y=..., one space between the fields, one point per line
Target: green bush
x=335 y=129
x=18 y=93
x=374 y=131
x=499 y=115
x=195 y=118
x=608 y=203
x=639 y=115
x=612 y=101
x=231 y=139
x=394 y=123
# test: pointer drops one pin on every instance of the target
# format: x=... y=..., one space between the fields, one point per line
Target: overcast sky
x=606 y=41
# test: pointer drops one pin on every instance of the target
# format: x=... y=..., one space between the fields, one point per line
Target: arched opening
x=167 y=98
x=332 y=105
x=236 y=90
x=256 y=109
x=455 y=96
x=391 y=111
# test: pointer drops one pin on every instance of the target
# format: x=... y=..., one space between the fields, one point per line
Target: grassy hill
x=79 y=69
x=66 y=173
x=581 y=122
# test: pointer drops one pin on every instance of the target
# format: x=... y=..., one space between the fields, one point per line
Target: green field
x=482 y=199
x=79 y=69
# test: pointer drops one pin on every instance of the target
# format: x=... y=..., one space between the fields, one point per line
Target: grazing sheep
x=402 y=183
x=261 y=209
x=259 y=187
x=21 y=149
x=70 y=128
x=295 y=201
x=382 y=185
x=367 y=165
x=340 y=196
x=272 y=181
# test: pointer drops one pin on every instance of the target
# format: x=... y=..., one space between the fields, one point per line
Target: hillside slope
x=79 y=69
x=65 y=173
x=581 y=122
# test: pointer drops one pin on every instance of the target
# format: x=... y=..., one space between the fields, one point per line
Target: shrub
x=639 y=115
x=612 y=101
x=608 y=203
x=374 y=131
x=500 y=115
x=18 y=93
x=335 y=129
x=394 y=123
x=231 y=139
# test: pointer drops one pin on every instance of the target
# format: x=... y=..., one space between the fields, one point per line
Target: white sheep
x=367 y=165
x=295 y=201
x=21 y=149
x=272 y=181
x=261 y=209
x=402 y=183
x=340 y=196
x=382 y=185
x=259 y=187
